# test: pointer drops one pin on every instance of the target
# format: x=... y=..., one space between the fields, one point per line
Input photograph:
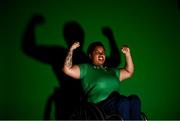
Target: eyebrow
x=99 y=51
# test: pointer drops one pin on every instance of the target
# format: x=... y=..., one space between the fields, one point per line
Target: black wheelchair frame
x=90 y=111
x=85 y=111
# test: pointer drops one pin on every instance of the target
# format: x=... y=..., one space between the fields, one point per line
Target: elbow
x=131 y=70
x=65 y=70
x=131 y=73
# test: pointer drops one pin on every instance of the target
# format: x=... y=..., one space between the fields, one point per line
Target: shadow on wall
x=68 y=96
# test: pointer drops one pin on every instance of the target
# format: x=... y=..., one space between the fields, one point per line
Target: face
x=98 y=56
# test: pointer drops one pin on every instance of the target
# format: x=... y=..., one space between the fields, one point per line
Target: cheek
x=94 y=58
x=104 y=57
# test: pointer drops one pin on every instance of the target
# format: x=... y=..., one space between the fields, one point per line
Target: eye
x=102 y=53
x=97 y=52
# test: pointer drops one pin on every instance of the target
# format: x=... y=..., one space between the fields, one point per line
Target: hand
x=75 y=45
x=125 y=49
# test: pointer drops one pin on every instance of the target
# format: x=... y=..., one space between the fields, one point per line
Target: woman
x=101 y=84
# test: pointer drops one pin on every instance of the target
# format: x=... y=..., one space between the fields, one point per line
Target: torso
x=99 y=83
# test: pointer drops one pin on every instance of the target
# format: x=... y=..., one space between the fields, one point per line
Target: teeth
x=100 y=58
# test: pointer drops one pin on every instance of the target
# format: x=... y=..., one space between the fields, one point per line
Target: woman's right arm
x=70 y=69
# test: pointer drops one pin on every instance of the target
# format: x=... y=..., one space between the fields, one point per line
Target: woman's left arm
x=128 y=70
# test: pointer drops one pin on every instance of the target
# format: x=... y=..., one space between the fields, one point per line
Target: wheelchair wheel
x=143 y=116
x=92 y=112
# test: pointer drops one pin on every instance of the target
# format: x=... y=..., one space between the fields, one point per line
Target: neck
x=99 y=66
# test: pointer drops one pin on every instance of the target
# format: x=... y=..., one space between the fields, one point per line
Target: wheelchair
x=84 y=111
x=90 y=111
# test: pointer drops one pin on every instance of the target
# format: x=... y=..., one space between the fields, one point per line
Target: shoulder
x=83 y=69
x=83 y=66
x=116 y=71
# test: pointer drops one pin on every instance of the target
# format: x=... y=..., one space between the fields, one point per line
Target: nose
x=101 y=53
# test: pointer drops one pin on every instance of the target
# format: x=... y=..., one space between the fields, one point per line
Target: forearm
x=70 y=69
x=129 y=67
x=128 y=70
x=68 y=60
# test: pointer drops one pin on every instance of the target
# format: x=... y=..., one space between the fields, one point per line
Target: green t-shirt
x=98 y=83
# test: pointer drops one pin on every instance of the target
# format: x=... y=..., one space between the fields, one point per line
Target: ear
x=90 y=56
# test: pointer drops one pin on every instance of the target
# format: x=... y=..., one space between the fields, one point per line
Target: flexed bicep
x=70 y=69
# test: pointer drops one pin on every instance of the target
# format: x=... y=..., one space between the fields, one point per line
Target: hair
x=93 y=45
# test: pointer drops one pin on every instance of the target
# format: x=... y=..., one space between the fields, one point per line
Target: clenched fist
x=75 y=45
x=125 y=49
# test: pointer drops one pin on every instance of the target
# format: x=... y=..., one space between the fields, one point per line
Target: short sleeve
x=83 y=70
x=117 y=72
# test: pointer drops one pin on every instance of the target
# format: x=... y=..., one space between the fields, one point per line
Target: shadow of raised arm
x=114 y=59
x=41 y=53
